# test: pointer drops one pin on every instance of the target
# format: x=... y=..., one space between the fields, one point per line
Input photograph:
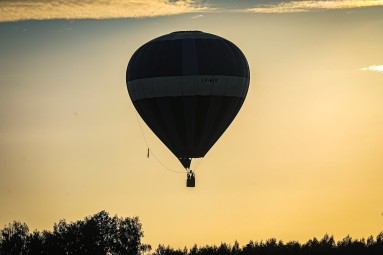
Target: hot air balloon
x=188 y=86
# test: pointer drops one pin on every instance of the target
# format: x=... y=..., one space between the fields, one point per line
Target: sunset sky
x=303 y=158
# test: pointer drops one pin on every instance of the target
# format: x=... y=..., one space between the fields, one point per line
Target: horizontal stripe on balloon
x=196 y=85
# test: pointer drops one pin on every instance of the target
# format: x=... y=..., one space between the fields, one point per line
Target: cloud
x=374 y=69
x=13 y=10
x=306 y=6
x=197 y=16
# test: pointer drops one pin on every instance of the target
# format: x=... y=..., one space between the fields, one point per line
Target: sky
x=304 y=156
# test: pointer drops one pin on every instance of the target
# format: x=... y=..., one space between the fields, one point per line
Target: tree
x=98 y=234
x=13 y=239
x=35 y=244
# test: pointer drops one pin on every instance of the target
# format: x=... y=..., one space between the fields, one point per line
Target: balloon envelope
x=188 y=87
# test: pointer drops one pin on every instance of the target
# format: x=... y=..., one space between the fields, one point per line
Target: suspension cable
x=151 y=151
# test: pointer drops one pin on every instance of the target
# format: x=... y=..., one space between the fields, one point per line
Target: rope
x=151 y=151
x=197 y=164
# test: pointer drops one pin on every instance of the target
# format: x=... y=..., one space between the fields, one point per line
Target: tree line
x=101 y=234
x=325 y=246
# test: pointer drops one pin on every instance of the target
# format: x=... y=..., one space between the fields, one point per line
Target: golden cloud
x=97 y=9
x=13 y=10
x=374 y=69
x=305 y=6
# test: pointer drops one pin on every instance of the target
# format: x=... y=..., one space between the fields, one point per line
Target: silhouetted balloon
x=188 y=87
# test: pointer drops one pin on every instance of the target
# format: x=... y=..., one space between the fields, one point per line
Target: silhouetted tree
x=249 y=248
x=292 y=248
x=13 y=239
x=207 y=250
x=162 y=250
x=194 y=250
x=223 y=249
x=235 y=250
x=99 y=234
x=34 y=244
x=324 y=246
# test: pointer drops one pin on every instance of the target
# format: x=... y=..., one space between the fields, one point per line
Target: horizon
x=104 y=221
